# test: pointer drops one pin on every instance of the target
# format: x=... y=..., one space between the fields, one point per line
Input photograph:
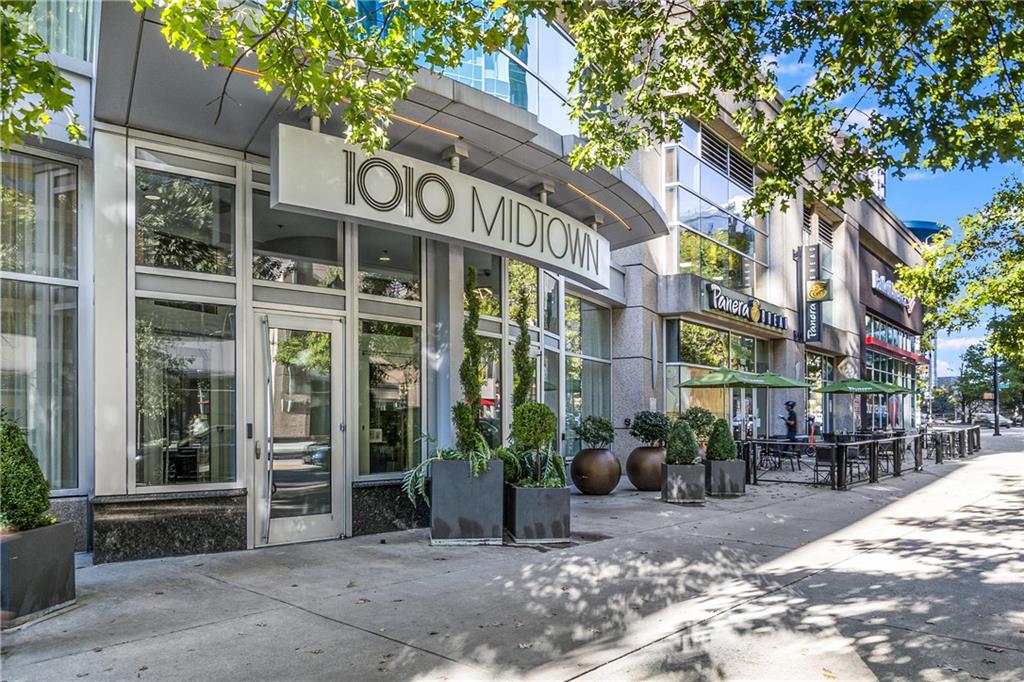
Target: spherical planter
x=595 y=471
x=643 y=467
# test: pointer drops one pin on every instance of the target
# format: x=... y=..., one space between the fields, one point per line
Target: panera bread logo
x=749 y=309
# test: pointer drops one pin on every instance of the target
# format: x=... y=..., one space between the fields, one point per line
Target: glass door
x=299 y=425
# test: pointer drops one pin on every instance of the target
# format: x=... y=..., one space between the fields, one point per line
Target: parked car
x=989 y=419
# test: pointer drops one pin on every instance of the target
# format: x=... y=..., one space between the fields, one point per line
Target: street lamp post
x=995 y=392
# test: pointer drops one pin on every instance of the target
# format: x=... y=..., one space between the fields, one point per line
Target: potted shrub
x=682 y=474
x=643 y=466
x=536 y=495
x=595 y=469
x=37 y=554
x=465 y=481
x=724 y=475
x=700 y=420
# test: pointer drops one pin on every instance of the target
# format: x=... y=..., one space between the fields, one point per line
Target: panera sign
x=321 y=175
x=730 y=303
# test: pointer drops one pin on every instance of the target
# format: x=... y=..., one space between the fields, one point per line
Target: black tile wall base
x=74 y=510
x=129 y=527
x=381 y=507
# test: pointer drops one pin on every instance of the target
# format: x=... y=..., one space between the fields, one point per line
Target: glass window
x=763 y=356
x=689 y=173
x=713 y=186
x=523 y=276
x=296 y=248
x=678 y=400
x=689 y=209
x=184 y=392
x=690 y=138
x=38 y=217
x=389 y=396
x=551 y=380
x=670 y=165
x=184 y=223
x=488 y=280
x=697 y=345
x=550 y=304
x=689 y=252
x=38 y=372
x=490 y=392
x=587 y=328
x=389 y=263
x=66 y=26
x=587 y=393
x=742 y=352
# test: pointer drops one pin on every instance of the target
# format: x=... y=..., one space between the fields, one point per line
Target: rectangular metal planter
x=465 y=510
x=38 y=569
x=726 y=478
x=682 y=483
x=537 y=515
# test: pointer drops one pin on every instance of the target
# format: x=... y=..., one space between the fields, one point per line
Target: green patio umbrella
x=893 y=389
x=777 y=381
x=853 y=386
x=727 y=378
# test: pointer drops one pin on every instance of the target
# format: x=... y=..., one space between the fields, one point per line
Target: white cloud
x=915 y=175
x=859 y=117
x=944 y=369
x=957 y=344
x=784 y=66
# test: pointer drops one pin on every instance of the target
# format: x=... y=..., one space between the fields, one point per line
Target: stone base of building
x=129 y=527
x=75 y=511
x=381 y=507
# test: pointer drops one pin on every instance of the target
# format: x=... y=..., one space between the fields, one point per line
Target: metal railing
x=835 y=464
x=953 y=443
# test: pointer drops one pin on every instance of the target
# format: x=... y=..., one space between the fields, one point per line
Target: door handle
x=257 y=445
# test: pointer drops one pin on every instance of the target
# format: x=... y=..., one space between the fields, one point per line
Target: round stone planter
x=643 y=467
x=595 y=471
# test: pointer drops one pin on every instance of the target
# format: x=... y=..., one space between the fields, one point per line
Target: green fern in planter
x=25 y=494
x=721 y=446
x=414 y=483
x=682 y=446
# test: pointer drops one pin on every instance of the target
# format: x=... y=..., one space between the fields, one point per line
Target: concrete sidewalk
x=914 y=578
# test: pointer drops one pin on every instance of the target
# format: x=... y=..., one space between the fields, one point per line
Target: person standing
x=791 y=420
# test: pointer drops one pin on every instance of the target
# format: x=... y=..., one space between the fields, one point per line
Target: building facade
x=180 y=297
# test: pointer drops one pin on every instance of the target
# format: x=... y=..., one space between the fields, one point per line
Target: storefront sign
x=812 y=306
x=749 y=309
x=886 y=287
x=321 y=175
x=819 y=290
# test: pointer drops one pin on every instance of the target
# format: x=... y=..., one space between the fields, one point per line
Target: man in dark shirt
x=791 y=420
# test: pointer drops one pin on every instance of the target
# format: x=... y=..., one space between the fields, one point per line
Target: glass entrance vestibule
x=303 y=358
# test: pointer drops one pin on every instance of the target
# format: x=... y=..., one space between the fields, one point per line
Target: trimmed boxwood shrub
x=721 y=446
x=532 y=459
x=682 y=446
x=596 y=432
x=650 y=428
x=26 y=492
x=700 y=420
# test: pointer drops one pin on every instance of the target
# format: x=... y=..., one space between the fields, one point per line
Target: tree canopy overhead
x=897 y=84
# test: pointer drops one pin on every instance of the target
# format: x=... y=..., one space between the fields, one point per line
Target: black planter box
x=465 y=510
x=537 y=515
x=682 y=483
x=726 y=478
x=38 y=569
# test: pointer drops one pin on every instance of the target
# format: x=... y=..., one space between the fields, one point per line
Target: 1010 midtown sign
x=320 y=174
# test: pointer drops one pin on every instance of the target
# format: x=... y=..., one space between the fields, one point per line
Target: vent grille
x=825 y=231
x=741 y=171
x=717 y=152
x=807 y=219
x=714 y=150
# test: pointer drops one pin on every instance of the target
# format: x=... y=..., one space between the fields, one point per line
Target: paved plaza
x=920 y=577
